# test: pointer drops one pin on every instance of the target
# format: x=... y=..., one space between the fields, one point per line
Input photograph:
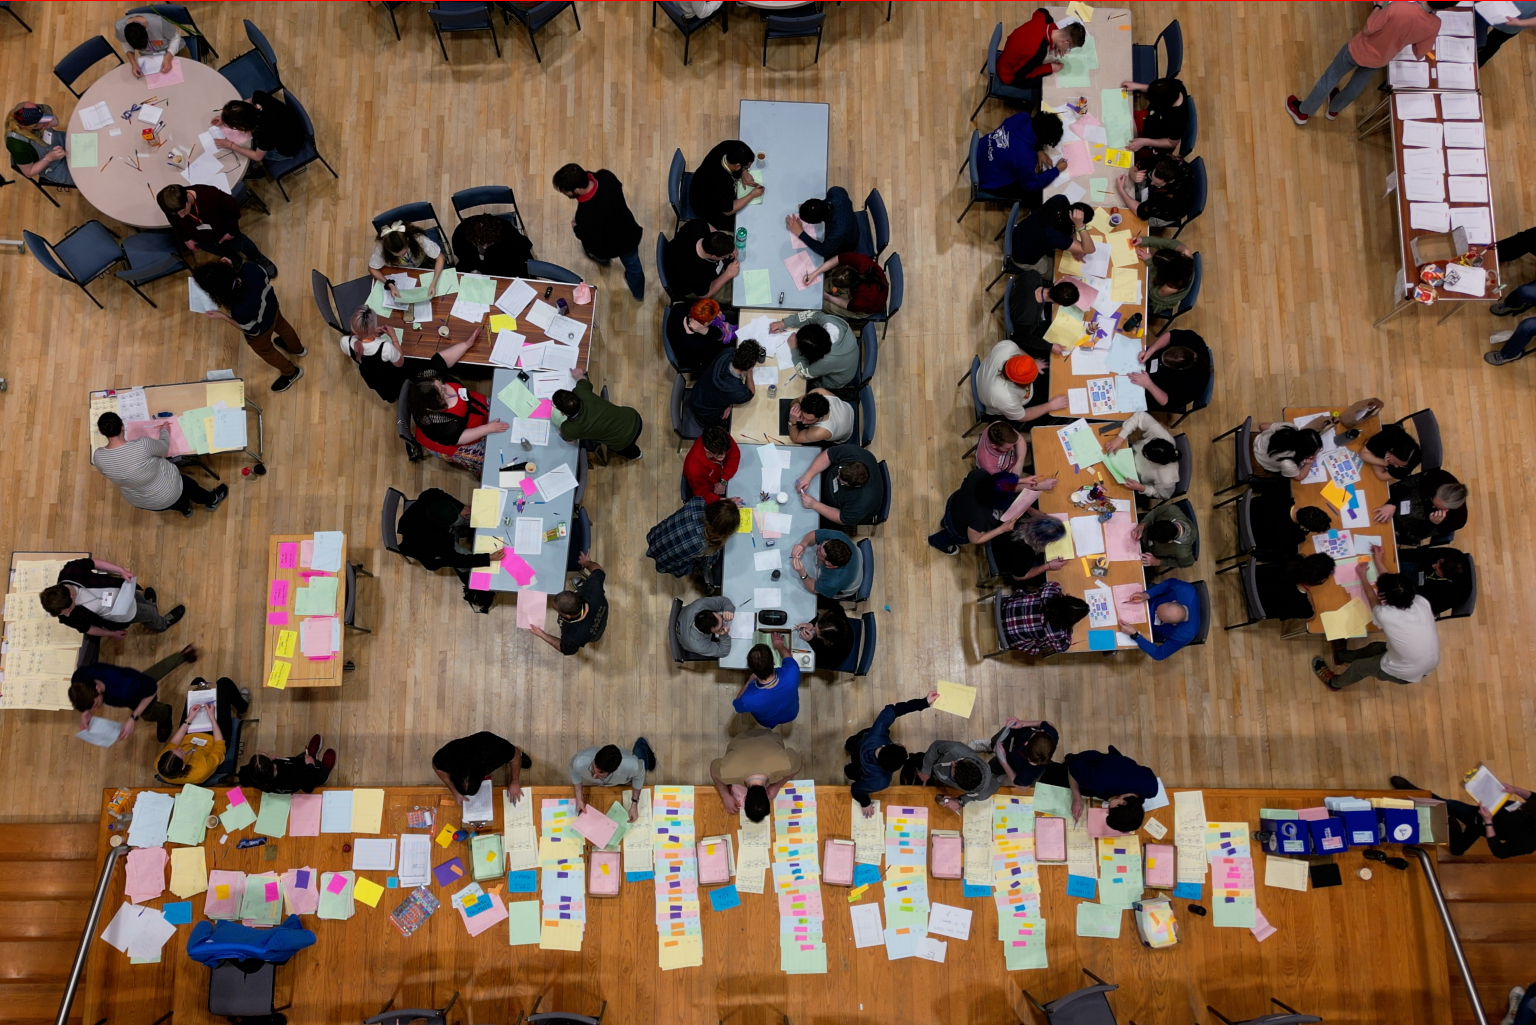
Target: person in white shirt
x=820 y=416
x=1157 y=457
x=1008 y=380
x=1412 y=648
x=405 y=245
x=371 y=347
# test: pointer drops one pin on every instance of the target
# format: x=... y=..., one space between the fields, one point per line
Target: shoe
x=302 y=350
x=163 y=730
x=173 y=617
x=643 y=750
x=267 y=266
x=314 y=746
x=1293 y=108
x=286 y=381
x=245 y=693
x=1399 y=783
x=189 y=653
x=1330 y=113
x=1401 y=864
x=1516 y=995
x=1503 y=309
x=981 y=747
x=219 y=494
x=329 y=758
x=951 y=550
x=186 y=513
x=1320 y=670
x=1498 y=359
x=1339 y=647
x=149 y=595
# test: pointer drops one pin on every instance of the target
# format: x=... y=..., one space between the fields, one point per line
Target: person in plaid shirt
x=690 y=539
x=1040 y=622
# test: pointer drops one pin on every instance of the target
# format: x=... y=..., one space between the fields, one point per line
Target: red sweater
x=703 y=473
x=1024 y=53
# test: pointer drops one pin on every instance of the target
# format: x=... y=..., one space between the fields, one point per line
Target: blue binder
x=1360 y=827
x=1398 y=825
x=1286 y=836
x=1327 y=835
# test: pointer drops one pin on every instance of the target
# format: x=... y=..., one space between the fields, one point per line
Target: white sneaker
x=1516 y=995
x=1500 y=337
x=981 y=747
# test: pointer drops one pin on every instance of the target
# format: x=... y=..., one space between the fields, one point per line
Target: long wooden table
x=1365 y=951
x=304 y=672
x=1331 y=596
x=178 y=399
x=37 y=686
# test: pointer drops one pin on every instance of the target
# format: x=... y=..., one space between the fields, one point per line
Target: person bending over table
x=1118 y=781
x=1011 y=161
x=874 y=759
x=149 y=38
x=841 y=234
x=191 y=756
x=1040 y=622
x=248 y=302
x=1510 y=831
x=1279 y=525
x=1424 y=505
x=582 y=611
x=371 y=348
x=435 y=531
x=755 y=766
x=1022 y=750
x=1282 y=447
x=1170 y=272
x=591 y=417
x=146 y=478
x=1168 y=538
x=603 y=224
x=36 y=144
x=300 y=773
x=465 y=763
x=854 y=284
x=691 y=539
x=1020 y=552
x=1033 y=50
x=829 y=635
x=696 y=331
x=1183 y=370
x=487 y=244
x=824 y=347
x=205 y=218
x=770 y=697
x=700 y=260
x=452 y=422
x=405 y=245
x=971 y=514
x=1391 y=453
x=852 y=495
x=1442 y=575
x=704 y=626
x=950 y=763
x=1175 y=607
x=712 y=191
x=1161 y=124
x=1157 y=456
x=1286 y=591
x=1388 y=29
x=1029 y=307
x=85 y=598
x=711 y=463
x=826 y=562
x=1162 y=196
x=101 y=684
x=265 y=123
x=820 y=416
x=728 y=382
x=1412 y=648
x=1056 y=226
x=1007 y=380
x=607 y=766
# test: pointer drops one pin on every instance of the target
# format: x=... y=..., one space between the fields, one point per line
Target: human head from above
x=1163 y=532
x=1450 y=496
x=835 y=553
x=1396 y=589
x=567 y=403
x=56 y=599
x=364 y=324
x=220 y=280
x=717 y=442
x=606 y=761
x=1313 y=520
x=30 y=115
x=572 y=180
x=1172 y=268
x=240 y=115
x=815 y=211
x=703 y=313
x=568 y=606
x=1311 y=571
x=261 y=769
x=1177 y=357
x=1168 y=171
x=109 y=425
x=1079 y=214
x=1021 y=369
x=136 y=35
x=1452 y=565
x=1064 y=611
x=853 y=474
x=966 y=774
x=485 y=230
x=171 y=766
x=84 y=691
x=756 y=803
x=402 y=241
x=1038 y=531
x=1160 y=451
x=721 y=520
x=747 y=355
x=466 y=783
x=429 y=392
x=707 y=622
x=172 y=200
x=718 y=245
x=1401 y=449
x=1068 y=37
x=1125 y=813
x=843 y=279
x=813 y=341
x=814 y=408
x=760 y=662
x=1002 y=435
x=1040 y=748
x=1295 y=443
x=1048 y=128
x=738 y=155
x=891 y=757
x=1063 y=293
x=1171 y=613
x=1165 y=92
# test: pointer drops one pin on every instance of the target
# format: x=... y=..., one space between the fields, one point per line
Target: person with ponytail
x=405 y=245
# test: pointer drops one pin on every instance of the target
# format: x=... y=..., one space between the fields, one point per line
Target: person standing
x=100 y=684
x=141 y=471
x=1118 y=781
x=949 y=763
x=1510 y=831
x=250 y=304
x=1412 y=648
x=1390 y=27
x=607 y=766
x=1504 y=31
x=771 y=696
x=36 y=143
x=711 y=463
x=591 y=417
x=1022 y=750
x=371 y=348
x=873 y=757
x=89 y=598
x=755 y=766
x=603 y=224
x=465 y=763
x=582 y=611
x=205 y=218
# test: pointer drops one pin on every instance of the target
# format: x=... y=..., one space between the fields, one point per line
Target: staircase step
x=1494 y=923
x=42 y=880
x=36 y=960
x=37 y=1001
x=57 y=841
x=1508 y=882
x=43 y=919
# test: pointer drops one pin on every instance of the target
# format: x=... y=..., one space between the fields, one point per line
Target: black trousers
x=229 y=701
x=192 y=493
x=1521 y=243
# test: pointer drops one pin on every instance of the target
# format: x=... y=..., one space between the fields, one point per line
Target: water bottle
x=773 y=391
x=741 y=238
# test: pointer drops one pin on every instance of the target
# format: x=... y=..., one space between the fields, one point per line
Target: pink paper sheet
x=1159 y=865
x=1096 y=824
x=948 y=857
x=799 y=266
x=171 y=77
x=485 y=919
x=801 y=905
x=146 y=874
x=135 y=429
x=1050 y=838
x=837 y=863
x=532 y=607
x=304 y=815
x=542 y=410
x=235 y=796
x=1127 y=611
x=301 y=900
x=1118 y=543
x=595 y=826
x=1261 y=930
x=479 y=581
x=1079 y=160
x=278 y=593
x=288 y=555
x=515 y=565
x=213 y=906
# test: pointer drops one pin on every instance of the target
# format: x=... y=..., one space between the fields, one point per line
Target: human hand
x=117 y=635
x=739 y=503
x=806 y=500
x=1136 y=532
x=793 y=224
x=1059 y=402
x=1115 y=444
x=719 y=487
x=133 y=66
x=733 y=270
x=583 y=560
x=1014 y=722
x=214 y=314
x=869 y=811
x=732 y=806
x=577 y=374
x=634 y=811
x=393 y=291
x=127 y=730
x=223 y=144
x=57 y=153
x=775 y=327
x=799 y=566
x=498 y=426
x=756 y=191
x=1141 y=597
x=1042 y=483
x=1143 y=355
x=1143 y=253
x=932 y=696
x=165 y=65
x=1149 y=560
x=1055 y=564
x=797 y=551
x=1060 y=350
x=806 y=631
x=1438 y=516
x=1077 y=809
x=1135 y=486
x=1141 y=377
x=1383 y=513
x=1138 y=176
x=1377 y=552
x=1061 y=165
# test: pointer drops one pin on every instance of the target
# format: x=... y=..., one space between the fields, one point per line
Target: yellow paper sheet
x=485 y=544
x=956 y=699
x=1125 y=285
x=502 y=322
x=1121 y=253
x=1067 y=328
x=1100 y=223
x=745 y=526
x=1081 y=10
x=278 y=678
x=561 y=935
x=1069 y=263
x=1061 y=549
x=1350 y=621
x=231 y=393
x=485 y=507
x=367 y=891
x=1335 y=495
x=189 y=871
x=286 y=639
x=1287 y=873
x=680 y=952
x=367 y=811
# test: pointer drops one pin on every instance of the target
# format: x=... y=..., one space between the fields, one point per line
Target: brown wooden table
x=1051 y=461
x=304 y=673
x=425 y=343
x=1331 y=596
x=49 y=690
x=758 y=421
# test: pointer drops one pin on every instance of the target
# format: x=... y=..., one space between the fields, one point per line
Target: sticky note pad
x=724 y=897
x=449 y=871
x=367 y=891
x=337 y=884
x=969 y=890
x=287 y=640
x=278 y=593
x=1082 y=886
x=502 y=322
x=221 y=892
x=392 y=882
x=445 y=837
x=865 y=873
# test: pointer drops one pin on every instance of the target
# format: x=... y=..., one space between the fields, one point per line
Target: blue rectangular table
x=793 y=138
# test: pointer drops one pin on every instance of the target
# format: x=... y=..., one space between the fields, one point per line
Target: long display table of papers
x=40 y=653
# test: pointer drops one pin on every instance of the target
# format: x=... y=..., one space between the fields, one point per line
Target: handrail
x=89 y=935
x=1450 y=930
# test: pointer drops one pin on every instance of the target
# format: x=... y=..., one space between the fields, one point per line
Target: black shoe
x=149 y=595
x=642 y=749
x=266 y=265
x=186 y=513
x=173 y=617
x=302 y=350
x=163 y=730
x=286 y=381
x=1401 y=864
x=1399 y=783
x=1196 y=909
x=951 y=550
x=1502 y=309
x=219 y=494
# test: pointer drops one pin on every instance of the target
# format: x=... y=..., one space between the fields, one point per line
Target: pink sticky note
x=288 y=555
x=479 y=581
x=307 y=573
x=236 y=796
x=278 y=595
x=514 y=564
x=337 y=884
x=1261 y=930
x=277 y=618
x=529 y=487
x=542 y=410
x=272 y=893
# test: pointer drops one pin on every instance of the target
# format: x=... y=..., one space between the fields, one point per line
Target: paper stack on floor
x=564 y=909
x=797 y=879
x=1016 y=883
x=680 y=941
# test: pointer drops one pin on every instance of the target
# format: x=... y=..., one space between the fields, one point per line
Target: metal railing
x=1450 y=930
x=89 y=935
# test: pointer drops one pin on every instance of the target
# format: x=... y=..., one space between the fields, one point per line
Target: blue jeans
x=946 y=536
x=1524 y=332
x=1526 y=1015
x=1342 y=65
x=634 y=273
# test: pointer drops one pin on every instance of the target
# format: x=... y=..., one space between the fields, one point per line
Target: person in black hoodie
x=435 y=531
x=487 y=244
x=712 y=192
x=603 y=223
x=302 y=772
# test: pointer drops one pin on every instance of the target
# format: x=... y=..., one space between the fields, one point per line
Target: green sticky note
x=318 y=599
x=516 y=397
x=477 y=288
x=1278 y=813
x=189 y=817
x=272 y=820
x=447 y=282
x=1232 y=912
x=1099 y=920
x=755 y=289
x=523 y=923
x=1122 y=464
x=82 y=149
x=617 y=813
x=1052 y=800
x=376 y=299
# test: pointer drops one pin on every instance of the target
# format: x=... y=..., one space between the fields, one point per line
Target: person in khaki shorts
x=756 y=764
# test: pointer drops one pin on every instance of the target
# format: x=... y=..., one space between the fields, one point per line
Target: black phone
x=548 y=290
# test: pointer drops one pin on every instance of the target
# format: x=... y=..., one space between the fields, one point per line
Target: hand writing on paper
x=1139 y=596
x=1061 y=165
x=739 y=503
x=775 y=327
x=1142 y=378
x=225 y=144
x=869 y=811
x=1136 y=532
x=1054 y=564
x=951 y=804
x=1383 y=513
x=1077 y=808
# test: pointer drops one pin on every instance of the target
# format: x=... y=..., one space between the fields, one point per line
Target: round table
x=113 y=186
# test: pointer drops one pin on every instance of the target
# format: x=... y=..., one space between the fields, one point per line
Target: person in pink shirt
x=1390 y=27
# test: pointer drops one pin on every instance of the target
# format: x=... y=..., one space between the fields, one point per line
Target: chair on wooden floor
x=404 y=429
x=390 y=5
x=794 y=26
x=337 y=303
x=1243 y=515
x=536 y=17
x=1186 y=469
x=580 y=540
x=1086 y=1006
x=1191 y=129
x=395 y=506
x=6 y=7
x=679 y=178
x=864 y=418
x=680 y=654
x=349 y=613
x=1144 y=58
x=81 y=256
x=1202 y=191
x=235 y=994
x=898 y=288
x=421 y=214
x=995 y=599
x=38 y=183
x=979 y=411
x=489 y=195
x=552 y=272
x=1428 y=430
x=885 y=506
x=279 y=167
x=426 y=1016
x=462 y=16
x=861 y=654
x=197 y=45
x=1008 y=267
x=874 y=226
x=79 y=60
x=1410 y=566
x=683 y=423
x=1242 y=473
x=1027 y=95
x=1290 y=1017
x=1203 y=598
x=869 y=356
x=978 y=194
x=687 y=24
x=255 y=69
x=152 y=254
x=560 y=1017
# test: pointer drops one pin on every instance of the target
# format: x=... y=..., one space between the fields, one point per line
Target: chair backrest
x=582 y=466
x=1244 y=441
x=321 y=286
x=885 y=504
x=403 y=1017
x=992 y=44
x=867 y=645
x=679 y=393
x=581 y=537
x=869 y=353
x=1194 y=289
x=1191 y=128
x=39 y=247
x=800 y=25
x=1428 y=430
x=262 y=46
x=997 y=622
x=350 y=296
x=1203 y=599
x=675 y=182
x=1244 y=512
x=972 y=171
x=231 y=751
x=234 y=993
x=1249 y=572
x=1202 y=188
x=1007 y=312
x=1188 y=509
x=1013 y=218
x=1186 y=464
x=389 y=520
x=673 y=644
x=672 y=310
x=77 y=61
x=866 y=416
x=1086 y=1006
x=874 y=205
x=488 y=195
x=684 y=492
x=349 y=606
x=552 y=272
x=979 y=410
x=468 y=19
x=661 y=263
x=898 y=283
x=288 y=165
x=536 y=17
x=421 y=214
x=1469 y=606
x=866 y=569
x=1172 y=39
x=403 y=429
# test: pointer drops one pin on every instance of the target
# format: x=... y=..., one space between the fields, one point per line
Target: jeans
x=634 y=273
x=191 y=492
x=1524 y=332
x=158 y=710
x=1363 y=663
x=947 y=537
x=148 y=614
x=1342 y=65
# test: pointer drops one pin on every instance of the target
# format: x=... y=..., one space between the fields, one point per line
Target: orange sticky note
x=221 y=892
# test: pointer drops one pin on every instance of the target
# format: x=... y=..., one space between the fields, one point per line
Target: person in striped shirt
x=141 y=471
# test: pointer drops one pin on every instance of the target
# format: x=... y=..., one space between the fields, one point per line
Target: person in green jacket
x=1170 y=272
x=590 y=417
x=1167 y=537
x=825 y=348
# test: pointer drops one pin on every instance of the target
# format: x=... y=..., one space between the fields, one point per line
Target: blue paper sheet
x=724 y=897
x=637 y=877
x=865 y=873
x=178 y=913
x=976 y=891
x=1101 y=640
x=526 y=881
x=1187 y=891
x=1082 y=886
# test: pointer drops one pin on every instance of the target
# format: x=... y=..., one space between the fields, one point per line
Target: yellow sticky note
x=1335 y=495
x=1067 y=328
x=221 y=892
x=231 y=393
x=603 y=868
x=286 y=639
x=1125 y=285
x=1080 y=10
x=1121 y=252
x=485 y=507
x=367 y=811
x=443 y=839
x=502 y=322
x=278 y=678
x=367 y=891
x=857 y=892
x=1071 y=264
x=1061 y=549
x=956 y=699
x=1117 y=157
x=745 y=527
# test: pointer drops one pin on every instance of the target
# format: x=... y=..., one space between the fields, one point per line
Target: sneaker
x=1401 y=864
x=1321 y=671
x=1399 y=783
x=329 y=758
x=951 y=550
x=1503 y=309
x=173 y=617
x=1372 y=854
x=219 y=494
x=302 y=350
x=267 y=266
x=1516 y=995
x=1339 y=647
x=245 y=693
x=149 y=595
x=1329 y=112
x=1293 y=108
x=314 y=745
x=981 y=747
x=189 y=653
x=1498 y=359
x=186 y=513
x=286 y=381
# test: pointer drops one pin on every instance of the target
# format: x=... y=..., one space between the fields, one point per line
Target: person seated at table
x=1183 y=370
x=712 y=192
x=1030 y=309
x=371 y=347
x=487 y=244
x=699 y=261
x=1022 y=751
x=755 y=766
x=191 y=756
x=35 y=140
x=827 y=562
x=1285 y=590
x=1161 y=124
x=589 y=417
x=820 y=416
x=1279 y=525
x=264 y=123
x=971 y=514
x=405 y=245
x=824 y=347
x=1411 y=650
x=1118 y=781
x=696 y=330
x=1033 y=50
x=1170 y=273
x=451 y=421
x=840 y=231
x=300 y=773
x=464 y=764
x=1055 y=226
x=1175 y=607
x=1391 y=453
x=144 y=475
x=854 y=284
x=1020 y=553
x=1040 y=622
x=1282 y=447
x=149 y=42
x=1168 y=538
x=829 y=635
x=1161 y=196
x=1436 y=505
x=435 y=531
x=853 y=494
x=206 y=218
x=728 y=382
x=704 y=626
x=770 y=697
x=247 y=300
x=581 y=610
x=1157 y=457
x=1011 y=161
x=1443 y=576
x=691 y=539
x=1510 y=832
x=99 y=685
x=711 y=463
x=1007 y=380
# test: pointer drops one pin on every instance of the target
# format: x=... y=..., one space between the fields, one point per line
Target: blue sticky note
x=179 y=913
x=526 y=881
x=1101 y=640
x=1187 y=891
x=392 y=883
x=636 y=877
x=865 y=873
x=479 y=904
x=724 y=897
x=976 y=891
x=1082 y=886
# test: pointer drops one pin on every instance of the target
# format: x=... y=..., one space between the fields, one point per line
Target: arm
x=543 y=634
x=580 y=801
x=133 y=718
x=218 y=735
x=720 y=282
x=818 y=465
x=107 y=567
x=1077 y=797
x=437 y=269
x=97 y=631
x=1144 y=379
x=40 y=165
x=446 y=782
x=1044 y=567
x=805 y=435
x=828 y=265
x=1153 y=242
x=1162 y=342
x=181 y=734
x=515 y=784
x=726 y=797
x=454 y=353
x=1037 y=411
x=474 y=434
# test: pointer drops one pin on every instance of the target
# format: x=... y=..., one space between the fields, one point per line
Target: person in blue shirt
x=875 y=758
x=840 y=231
x=771 y=696
x=101 y=684
x=1175 y=604
x=1011 y=161
x=1118 y=781
x=826 y=562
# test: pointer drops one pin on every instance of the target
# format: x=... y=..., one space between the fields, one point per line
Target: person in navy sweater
x=1011 y=160
x=1118 y=781
x=875 y=758
x=1175 y=605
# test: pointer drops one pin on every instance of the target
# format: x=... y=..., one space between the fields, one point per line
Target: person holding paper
x=700 y=260
x=264 y=123
x=149 y=38
x=607 y=766
x=405 y=245
x=1170 y=273
x=1157 y=457
x=949 y=763
x=582 y=611
x=247 y=301
x=1443 y=576
x=1033 y=49
x=1510 y=831
x=691 y=539
x=1282 y=447
x=100 y=684
x=591 y=417
x=1162 y=195
x=1425 y=505
x=1161 y=124
x=435 y=531
x=1180 y=373
x=146 y=478
x=1011 y=161
x=1502 y=32
x=465 y=763
x=711 y=462
x=728 y=382
x=371 y=348
x=704 y=626
x=971 y=515
x=824 y=347
x=1388 y=29
x=1054 y=226
x=36 y=143
x=1286 y=591
x=88 y=597
x=1020 y=553
x=712 y=191
x=829 y=635
x=205 y=218
x=1412 y=648
x=755 y=766
x=696 y=330
x=770 y=697
x=1030 y=309
x=840 y=233
x=852 y=494
x=1168 y=538
x=826 y=562
x=451 y=421
x=1040 y=622
x=1008 y=380
x=1175 y=606
x=854 y=284
x=301 y=773
x=1118 y=781
x=603 y=224
x=820 y=416
x=191 y=756
x=874 y=759
x=1022 y=750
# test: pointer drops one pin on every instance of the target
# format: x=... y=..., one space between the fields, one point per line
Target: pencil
x=104 y=166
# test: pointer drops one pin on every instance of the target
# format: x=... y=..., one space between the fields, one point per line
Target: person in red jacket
x=1033 y=49
x=711 y=462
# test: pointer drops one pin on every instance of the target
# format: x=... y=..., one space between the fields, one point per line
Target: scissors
x=128 y=114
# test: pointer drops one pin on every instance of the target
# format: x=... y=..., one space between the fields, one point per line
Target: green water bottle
x=741 y=238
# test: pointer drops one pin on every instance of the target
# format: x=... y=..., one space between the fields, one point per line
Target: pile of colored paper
x=563 y=912
x=1016 y=883
x=680 y=939
x=797 y=880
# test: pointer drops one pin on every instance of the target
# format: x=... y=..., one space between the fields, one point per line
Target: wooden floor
x=1297 y=246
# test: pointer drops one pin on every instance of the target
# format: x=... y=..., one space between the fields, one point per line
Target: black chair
x=349 y=605
x=1246 y=545
x=427 y=1016
x=1186 y=304
x=995 y=87
x=423 y=215
x=995 y=599
x=1205 y=397
x=256 y=68
x=1144 y=58
x=1191 y=129
x=404 y=428
x=552 y=272
x=489 y=195
x=1248 y=575
x=679 y=178
x=536 y=17
x=897 y=283
x=1005 y=302
x=81 y=59
x=874 y=226
x=978 y=194
x=6 y=7
x=979 y=411
x=687 y=24
x=780 y=26
x=1428 y=430
x=866 y=583
x=1086 y=1006
x=661 y=267
x=1202 y=192
x=152 y=254
x=1242 y=474
x=235 y=994
x=325 y=300
x=82 y=256
x=1462 y=611
x=462 y=16
x=533 y=1017
x=280 y=167
x=390 y=5
x=197 y=44
x=865 y=640
x=395 y=506
x=683 y=423
x=337 y=303
x=580 y=540
x=1008 y=266
x=869 y=356
x=885 y=506
x=1203 y=597
x=1290 y=1017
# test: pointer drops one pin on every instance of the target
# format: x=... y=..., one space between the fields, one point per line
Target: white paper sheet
x=528 y=538
x=1430 y=216
x=536 y=431
x=512 y=302
x=1430 y=160
x=767 y=598
x=1408 y=74
x=1461 y=106
x=1414 y=105
x=370 y=855
x=944 y=920
x=1476 y=220
x=1466 y=161
x=1465 y=135
x=1424 y=188
x=566 y=329
x=556 y=482
x=1422 y=133
x=415 y=859
x=867 y=928
x=541 y=314
x=1467 y=188
x=1087 y=535
x=1455 y=75
x=508 y=347
x=1455 y=23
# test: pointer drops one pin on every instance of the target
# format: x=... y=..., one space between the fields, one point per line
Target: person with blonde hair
x=691 y=539
x=371 y=348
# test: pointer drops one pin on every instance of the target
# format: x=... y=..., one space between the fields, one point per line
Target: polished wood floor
x=1297 y=244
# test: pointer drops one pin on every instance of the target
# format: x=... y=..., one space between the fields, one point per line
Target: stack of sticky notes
x=680 y=939
x=1016 y=883
x=563 y=914
x=797 y=880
